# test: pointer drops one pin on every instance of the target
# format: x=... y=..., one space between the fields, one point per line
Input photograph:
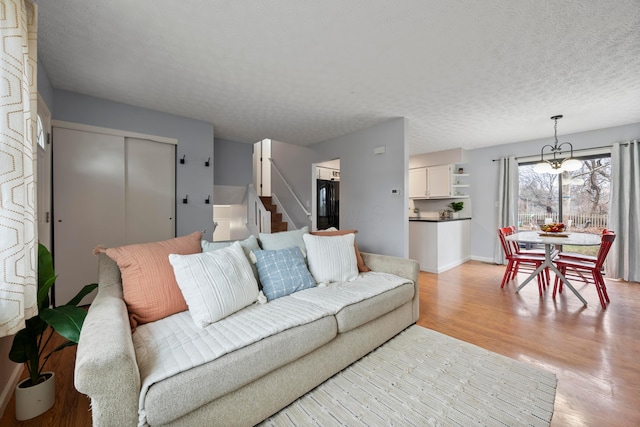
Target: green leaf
x=24 y=344
x=66 y=320
x=63 y=345
x=46 y=275
x=83 y=293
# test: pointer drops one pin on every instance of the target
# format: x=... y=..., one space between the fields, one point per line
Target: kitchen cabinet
x=439 y=245
x=418 y=183
x=439 y=181
x=432 y=182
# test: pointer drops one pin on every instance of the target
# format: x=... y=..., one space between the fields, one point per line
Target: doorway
x=326 y=208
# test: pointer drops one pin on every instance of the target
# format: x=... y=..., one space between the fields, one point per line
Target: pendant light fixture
x=555 y=165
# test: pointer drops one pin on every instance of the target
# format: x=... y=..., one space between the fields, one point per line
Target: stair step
x=277 y=225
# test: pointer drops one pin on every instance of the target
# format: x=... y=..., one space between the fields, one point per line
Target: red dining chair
x=519 y=250
x=580 y=268
x=582 y=257
x=520 y=261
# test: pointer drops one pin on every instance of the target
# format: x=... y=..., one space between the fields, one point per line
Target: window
x=579 y=199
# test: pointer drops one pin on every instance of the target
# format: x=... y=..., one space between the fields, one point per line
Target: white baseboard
x=9 y=387
x=483 y=259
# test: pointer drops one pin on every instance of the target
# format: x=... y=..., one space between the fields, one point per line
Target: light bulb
x=556 y=171
x=571 y=164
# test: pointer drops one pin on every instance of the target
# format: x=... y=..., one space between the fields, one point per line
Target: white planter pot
x=36 y=400
x=455 y=215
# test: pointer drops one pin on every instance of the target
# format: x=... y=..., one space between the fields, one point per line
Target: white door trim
x=114 y=132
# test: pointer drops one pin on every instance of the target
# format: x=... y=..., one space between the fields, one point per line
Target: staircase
x=276 y=218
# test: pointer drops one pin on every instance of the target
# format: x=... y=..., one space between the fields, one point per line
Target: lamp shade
x=571 y=164
x=542 y=167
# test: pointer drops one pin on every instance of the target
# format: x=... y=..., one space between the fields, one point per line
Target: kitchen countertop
x=437 y=219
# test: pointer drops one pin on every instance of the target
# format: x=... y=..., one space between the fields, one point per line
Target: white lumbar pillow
x=215 y=284
x=331 y=258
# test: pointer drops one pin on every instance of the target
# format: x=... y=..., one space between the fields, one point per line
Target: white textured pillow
x=331 y=258
x=215 y=284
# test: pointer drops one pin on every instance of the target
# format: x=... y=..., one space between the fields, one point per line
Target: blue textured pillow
x=282 y=272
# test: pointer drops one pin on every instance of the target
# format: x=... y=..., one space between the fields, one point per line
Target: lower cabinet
x=440 y=245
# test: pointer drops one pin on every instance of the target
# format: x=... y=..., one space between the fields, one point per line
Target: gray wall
x=366 y=181
x=195 y=141
x=44 y=87
x=232 y=163
x=484 y=187
x=296 y=165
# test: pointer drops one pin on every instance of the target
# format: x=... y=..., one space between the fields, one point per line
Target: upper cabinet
x=438 y=182
x=418 y=183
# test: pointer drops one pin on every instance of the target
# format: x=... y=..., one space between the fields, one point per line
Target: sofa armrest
x=106 y=369
x=407 y=268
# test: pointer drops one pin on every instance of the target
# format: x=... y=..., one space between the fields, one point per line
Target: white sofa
x=245 y=385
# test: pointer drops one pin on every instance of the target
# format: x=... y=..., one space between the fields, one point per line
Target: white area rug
x=425 y=378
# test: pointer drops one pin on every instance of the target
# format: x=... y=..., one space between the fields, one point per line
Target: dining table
x=551 y=241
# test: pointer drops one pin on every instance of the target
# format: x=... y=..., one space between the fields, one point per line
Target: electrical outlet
x=396 y=192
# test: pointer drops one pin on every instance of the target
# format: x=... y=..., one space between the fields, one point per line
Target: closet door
x=88 y=207
x=108 y=190
x=150 y=191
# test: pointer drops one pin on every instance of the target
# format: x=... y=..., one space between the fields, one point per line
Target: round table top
x=576 y=239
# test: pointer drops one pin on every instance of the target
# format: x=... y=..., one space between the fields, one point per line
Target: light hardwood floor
x=595 y=353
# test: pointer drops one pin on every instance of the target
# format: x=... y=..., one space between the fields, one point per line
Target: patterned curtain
x=18 y=116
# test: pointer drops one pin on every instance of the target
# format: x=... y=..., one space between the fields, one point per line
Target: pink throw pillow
x=148 y=283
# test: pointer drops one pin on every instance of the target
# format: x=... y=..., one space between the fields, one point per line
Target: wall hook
x=182 y=161
x=207 y=200
x=186 y=199
x=208 y=162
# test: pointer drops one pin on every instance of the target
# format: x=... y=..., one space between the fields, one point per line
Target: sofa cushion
x=362 y=267
x=215 y=284
x=282 y=272
x=331 y=258
x=189 y=390
x=355 y=303
x=148 y=283
x=174 y=344
x=284 y=239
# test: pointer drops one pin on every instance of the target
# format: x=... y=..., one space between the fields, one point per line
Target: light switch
x=380 y=150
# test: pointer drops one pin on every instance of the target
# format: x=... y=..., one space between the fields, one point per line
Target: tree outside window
x=579 y=199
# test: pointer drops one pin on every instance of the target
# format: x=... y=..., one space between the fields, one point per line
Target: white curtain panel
x=623 y=261
x=507 y=201
x=18 y=112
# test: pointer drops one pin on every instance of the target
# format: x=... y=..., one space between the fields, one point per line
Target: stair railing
x=275 y=167
x=285 y=216
x=258 y=217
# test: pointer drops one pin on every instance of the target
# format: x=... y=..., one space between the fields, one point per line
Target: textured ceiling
x=465 y=73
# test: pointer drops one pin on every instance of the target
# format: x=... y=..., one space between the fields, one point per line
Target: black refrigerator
x=328 y=204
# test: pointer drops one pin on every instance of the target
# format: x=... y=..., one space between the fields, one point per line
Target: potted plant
x=457 y=207
x=36 y=394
